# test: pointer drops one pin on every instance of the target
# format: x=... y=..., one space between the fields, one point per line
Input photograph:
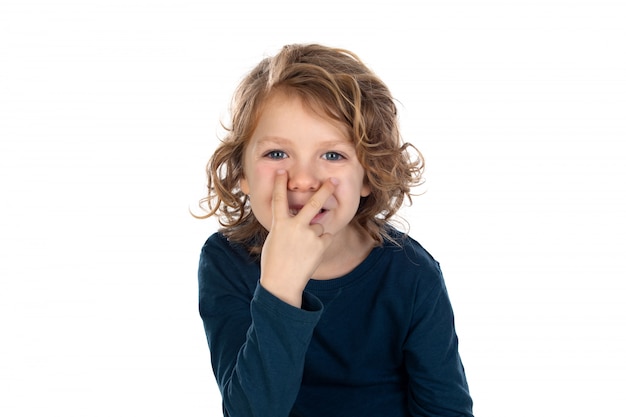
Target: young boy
x=313 y=305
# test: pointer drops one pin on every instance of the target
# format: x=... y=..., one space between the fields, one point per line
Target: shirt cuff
x=311 y=310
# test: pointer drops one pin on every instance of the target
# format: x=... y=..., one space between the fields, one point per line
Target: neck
x=344 y=254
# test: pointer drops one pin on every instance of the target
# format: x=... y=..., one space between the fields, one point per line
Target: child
x=313 y=305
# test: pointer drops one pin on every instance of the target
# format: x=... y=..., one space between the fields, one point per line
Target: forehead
x=283 y=116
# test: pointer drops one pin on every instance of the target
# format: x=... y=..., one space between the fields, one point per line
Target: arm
x=257 y=342
x=437 y=383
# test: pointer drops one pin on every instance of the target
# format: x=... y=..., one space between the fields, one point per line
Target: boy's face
x=311 y=149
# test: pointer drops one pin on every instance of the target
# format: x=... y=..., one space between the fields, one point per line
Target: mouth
x=293 y=211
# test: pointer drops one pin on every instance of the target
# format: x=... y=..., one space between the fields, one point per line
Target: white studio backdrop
x=110 y=109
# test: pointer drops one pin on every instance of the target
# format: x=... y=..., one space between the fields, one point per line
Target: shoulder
x=223 y=261
x=405 y=249
x=409 y=262
x=218 y=247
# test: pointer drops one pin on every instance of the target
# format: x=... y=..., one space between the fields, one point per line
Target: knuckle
x=279 y=195
x=314 y=203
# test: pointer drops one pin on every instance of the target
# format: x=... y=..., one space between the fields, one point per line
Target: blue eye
x=332 y=156
x=276 y=155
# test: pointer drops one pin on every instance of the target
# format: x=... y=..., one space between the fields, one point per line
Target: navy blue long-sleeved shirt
x=379 y=341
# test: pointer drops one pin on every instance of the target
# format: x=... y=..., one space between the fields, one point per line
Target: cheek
x=261 y=177
x=350 y=189
x=264 y=169
x=354 y=183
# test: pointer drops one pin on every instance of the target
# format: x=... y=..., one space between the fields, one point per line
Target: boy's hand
x=294 y=247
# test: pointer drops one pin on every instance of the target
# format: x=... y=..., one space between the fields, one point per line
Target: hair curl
x=337 y=83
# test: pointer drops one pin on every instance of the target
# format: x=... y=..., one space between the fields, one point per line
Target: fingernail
x=280 y=171
x=335 y=181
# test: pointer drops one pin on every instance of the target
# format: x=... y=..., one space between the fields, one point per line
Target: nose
x=303 y=178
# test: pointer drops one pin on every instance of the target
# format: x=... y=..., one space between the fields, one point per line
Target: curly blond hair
x=337 y=83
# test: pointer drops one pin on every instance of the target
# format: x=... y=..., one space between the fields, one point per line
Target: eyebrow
x=331 y=143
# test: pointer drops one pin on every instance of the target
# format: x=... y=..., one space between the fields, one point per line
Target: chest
x=360 y=338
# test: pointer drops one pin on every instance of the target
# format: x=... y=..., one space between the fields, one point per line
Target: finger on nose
x=328 y=188
x=317 y=201
x=280 y=205
x=280 y=180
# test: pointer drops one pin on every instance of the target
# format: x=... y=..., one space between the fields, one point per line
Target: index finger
x=317 y=200
x=280 y=205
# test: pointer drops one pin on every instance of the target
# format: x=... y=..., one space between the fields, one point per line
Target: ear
x=244 y=186
x=365 y=190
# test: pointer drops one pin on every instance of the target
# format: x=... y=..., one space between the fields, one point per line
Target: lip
x=295 y=209
x=319 y=217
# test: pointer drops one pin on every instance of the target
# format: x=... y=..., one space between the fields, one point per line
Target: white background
x=109 y=110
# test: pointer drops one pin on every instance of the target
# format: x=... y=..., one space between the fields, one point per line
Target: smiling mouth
x=295 y=210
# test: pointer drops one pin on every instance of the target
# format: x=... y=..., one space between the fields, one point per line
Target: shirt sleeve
x=257 y=342
x=437 y=382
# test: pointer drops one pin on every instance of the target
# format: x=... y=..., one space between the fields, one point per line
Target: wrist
x=287 y=293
